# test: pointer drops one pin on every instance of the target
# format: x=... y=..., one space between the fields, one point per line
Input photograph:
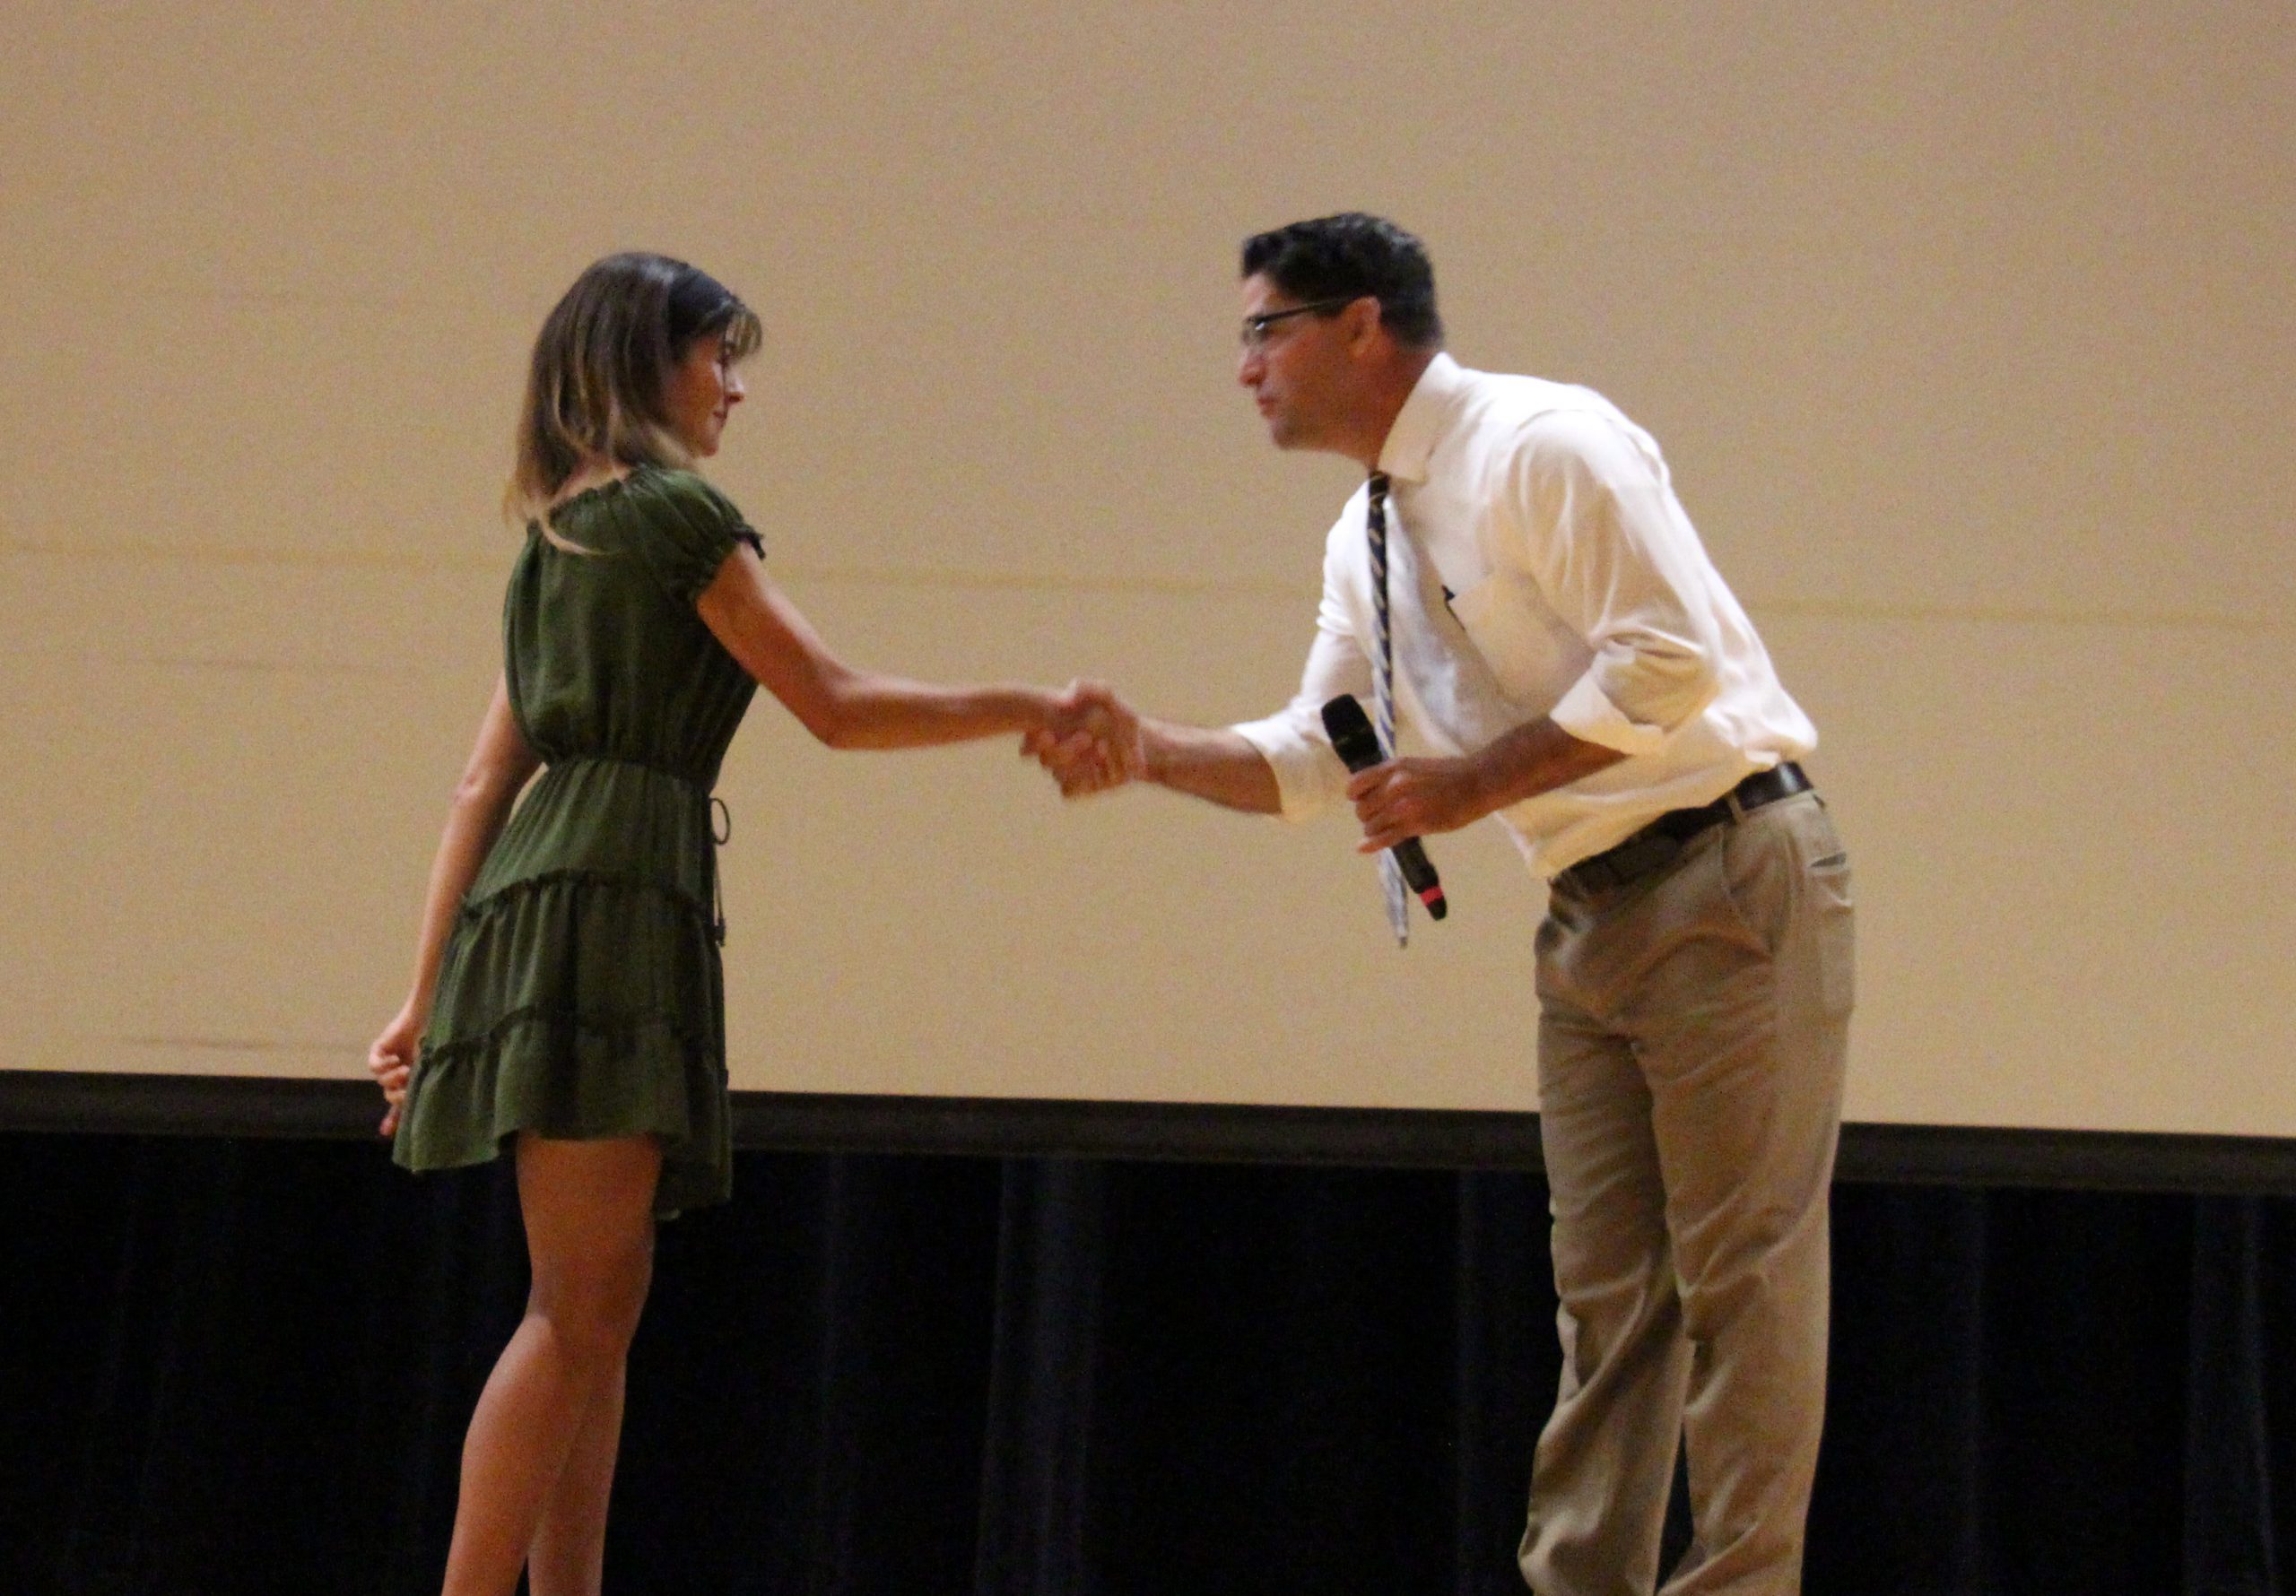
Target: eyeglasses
x=1256 y=327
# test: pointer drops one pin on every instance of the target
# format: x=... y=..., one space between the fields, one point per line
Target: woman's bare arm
x=841 y=705
x=499 y=766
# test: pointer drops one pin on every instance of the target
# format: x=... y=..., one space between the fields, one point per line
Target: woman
x=567 y=997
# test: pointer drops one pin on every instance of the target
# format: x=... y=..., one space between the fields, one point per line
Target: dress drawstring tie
x=721 y=832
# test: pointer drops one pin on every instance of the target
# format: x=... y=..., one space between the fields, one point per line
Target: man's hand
x=1406 y=798
x=1091 y=744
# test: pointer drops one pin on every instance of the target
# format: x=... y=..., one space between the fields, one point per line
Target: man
x=1556 y=630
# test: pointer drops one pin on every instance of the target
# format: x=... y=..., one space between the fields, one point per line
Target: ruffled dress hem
x=502 y=1057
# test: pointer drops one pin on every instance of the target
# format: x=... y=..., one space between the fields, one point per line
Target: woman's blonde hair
x=598 y=388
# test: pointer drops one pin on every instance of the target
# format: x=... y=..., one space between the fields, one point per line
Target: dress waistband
x=687 y=776
x=721 y=824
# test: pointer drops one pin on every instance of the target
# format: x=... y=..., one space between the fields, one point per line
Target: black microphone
x=1358 y=747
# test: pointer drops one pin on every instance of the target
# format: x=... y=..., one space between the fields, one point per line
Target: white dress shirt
x=1539 y=564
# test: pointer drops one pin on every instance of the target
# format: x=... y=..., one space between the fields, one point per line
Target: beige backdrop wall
x=1967 y=329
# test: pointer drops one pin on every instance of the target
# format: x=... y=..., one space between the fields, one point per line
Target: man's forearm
x=1534 y=757
x=1419 y=797
x=1213 y=764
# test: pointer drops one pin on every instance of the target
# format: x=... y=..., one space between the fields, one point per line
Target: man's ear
x=1362 y=318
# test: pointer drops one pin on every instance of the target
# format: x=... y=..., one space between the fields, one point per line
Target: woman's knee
x=592 y=1304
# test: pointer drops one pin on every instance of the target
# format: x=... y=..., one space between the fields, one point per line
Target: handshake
x=1089 y=742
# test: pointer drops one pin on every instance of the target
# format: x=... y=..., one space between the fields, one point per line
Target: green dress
x=580 y=993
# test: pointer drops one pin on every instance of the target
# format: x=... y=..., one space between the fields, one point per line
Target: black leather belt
x=1663 y=839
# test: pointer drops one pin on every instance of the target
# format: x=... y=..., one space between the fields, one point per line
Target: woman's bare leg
x=589 y=1207
x=568 y=1557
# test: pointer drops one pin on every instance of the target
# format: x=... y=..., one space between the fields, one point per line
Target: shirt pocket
x=1533 y=655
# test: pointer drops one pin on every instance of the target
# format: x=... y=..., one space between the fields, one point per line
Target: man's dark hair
x=1350 y=256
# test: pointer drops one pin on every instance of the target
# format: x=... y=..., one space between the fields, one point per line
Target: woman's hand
x=391 y=1059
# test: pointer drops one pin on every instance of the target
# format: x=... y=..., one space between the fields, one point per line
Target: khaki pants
x=1692 y=1036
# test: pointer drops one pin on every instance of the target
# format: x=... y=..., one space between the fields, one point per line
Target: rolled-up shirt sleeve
x=1308 y=776
x=1622 y=568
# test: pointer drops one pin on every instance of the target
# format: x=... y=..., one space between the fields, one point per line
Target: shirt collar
x=1433 y=400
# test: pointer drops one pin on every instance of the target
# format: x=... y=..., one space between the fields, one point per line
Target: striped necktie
x=1383 y=695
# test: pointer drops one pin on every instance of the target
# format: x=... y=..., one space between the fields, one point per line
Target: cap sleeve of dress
x=686 y=530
